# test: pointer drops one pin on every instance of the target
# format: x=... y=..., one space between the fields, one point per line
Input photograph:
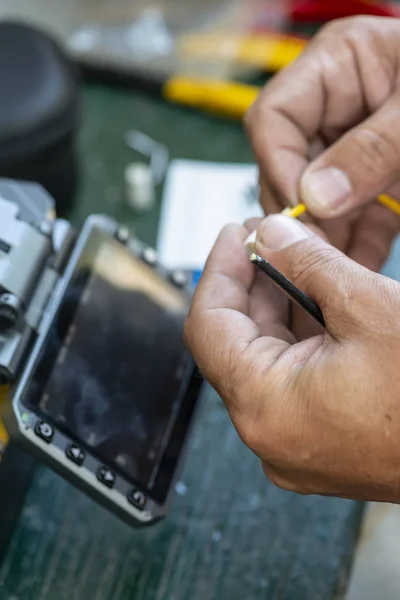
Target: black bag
x=39 y=112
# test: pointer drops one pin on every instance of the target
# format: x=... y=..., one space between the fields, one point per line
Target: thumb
x=362 y=164
x=338 y=285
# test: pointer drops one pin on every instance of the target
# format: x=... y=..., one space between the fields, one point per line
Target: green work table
x=231 y=535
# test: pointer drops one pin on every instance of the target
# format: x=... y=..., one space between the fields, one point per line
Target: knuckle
x=356 y=29
x=358 y=25
x=229 y=231
x=309 y=261
x=261 y=116
x=333 y=28
x=250 y=118
x=345 y=26
x=257 y=118
x=376 y=150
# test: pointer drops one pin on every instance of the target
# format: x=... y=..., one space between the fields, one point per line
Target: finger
x=373 y=236
x=228 y=276
x=270 y=309
x=252 y=224
x=337 y=284
x=337 y=230
x=219 y=331
x=358 y=167
x=330 y=78
x=271 y=200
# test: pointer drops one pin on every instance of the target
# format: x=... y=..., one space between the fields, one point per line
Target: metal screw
x=179 y=279
x=149 y=255
x=123 y=234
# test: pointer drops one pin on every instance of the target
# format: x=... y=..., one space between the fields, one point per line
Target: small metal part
x=10 y=311
x=156 y=152
x=139 y=184
x=137 y=499
x=287 y=286
x=149 y=255
x=123 y=234
x=179 y=278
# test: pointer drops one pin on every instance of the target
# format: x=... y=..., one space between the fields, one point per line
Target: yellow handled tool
x=225 y=98
x=267 y=51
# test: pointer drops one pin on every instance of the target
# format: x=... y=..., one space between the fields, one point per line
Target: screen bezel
x=49 y=352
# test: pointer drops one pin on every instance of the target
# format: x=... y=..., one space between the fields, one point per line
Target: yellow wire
x=384 y=200
x=295 y=212
x=390 y=203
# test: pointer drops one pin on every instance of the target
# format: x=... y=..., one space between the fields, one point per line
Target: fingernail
x=278 y=232
x=250 y=243
x=326 y=190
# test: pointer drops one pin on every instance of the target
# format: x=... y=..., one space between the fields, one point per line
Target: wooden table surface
x=231 y=535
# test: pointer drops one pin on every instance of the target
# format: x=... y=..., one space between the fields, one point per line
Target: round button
x=137 y=499
x=179 y=279
x=123 y=235
x=44 y=431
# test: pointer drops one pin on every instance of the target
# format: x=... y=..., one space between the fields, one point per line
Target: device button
x=44 y=431
x=123 y=234
x=179 y=279
x=106 y=476
x=138 y=499
x=150 y=257
x=75 y=454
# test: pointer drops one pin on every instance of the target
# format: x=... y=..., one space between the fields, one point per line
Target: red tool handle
x=320 y=11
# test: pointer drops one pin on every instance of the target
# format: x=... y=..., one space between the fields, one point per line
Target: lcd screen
x=120 y=362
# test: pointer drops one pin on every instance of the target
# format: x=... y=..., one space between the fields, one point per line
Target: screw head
x=123 y=234
x=150 y=256
x=179 y=279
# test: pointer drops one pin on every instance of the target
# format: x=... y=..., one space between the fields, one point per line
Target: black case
x=39 y=112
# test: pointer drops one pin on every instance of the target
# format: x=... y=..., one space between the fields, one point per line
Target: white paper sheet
x=199 y=200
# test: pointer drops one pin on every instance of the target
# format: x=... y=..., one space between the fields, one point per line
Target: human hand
x=323 y=414
x=326 y=131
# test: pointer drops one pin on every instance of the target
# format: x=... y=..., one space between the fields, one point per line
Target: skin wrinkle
x=242 y=289
x=331 y=132
x=353 y=47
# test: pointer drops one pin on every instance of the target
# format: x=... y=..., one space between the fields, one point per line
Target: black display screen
x=112 y=372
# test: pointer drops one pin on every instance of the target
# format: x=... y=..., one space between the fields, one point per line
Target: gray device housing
x=47 y=252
